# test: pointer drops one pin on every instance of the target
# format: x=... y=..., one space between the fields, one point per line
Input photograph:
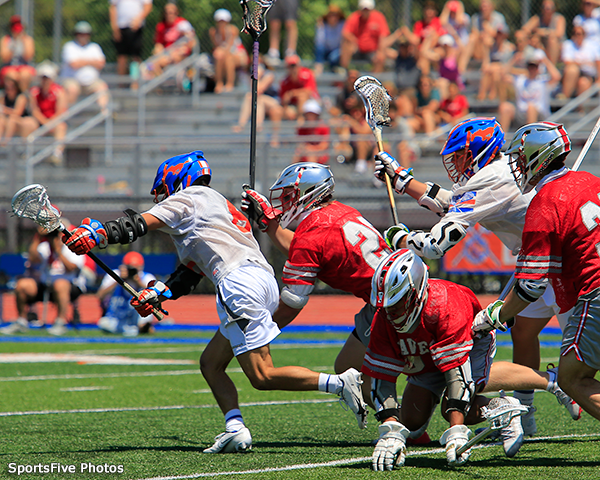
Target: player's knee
x=259 y=380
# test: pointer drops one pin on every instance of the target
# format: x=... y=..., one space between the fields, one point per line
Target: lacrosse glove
x=394 y=235
x=390 y=450
x=400 y=176
x=488 y=319
x=85 y=237
x=257 y=208
x=454 y=438
x=149 y=298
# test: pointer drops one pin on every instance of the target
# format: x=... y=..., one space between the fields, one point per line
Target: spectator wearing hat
x=364 y=37
x=315 y=149
x=228 y=52
x=283 y=13
x=82 y=62
x=119 y=316
x=17 y=51
x=48 y=101
x=456 y=22
x=328 y=38
x=532 y=92
x=551 y=27
x=127 y=19
x=582 y=63
x=296 y=88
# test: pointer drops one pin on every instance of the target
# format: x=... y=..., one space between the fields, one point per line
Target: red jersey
x=339 y=247
x=561 y=237
x=442 y=340
x=167 y=35
x=321 y=130
x=306 y=79
x=435 y=26
x=47 y=102
x=369 y=31
x=455 y=107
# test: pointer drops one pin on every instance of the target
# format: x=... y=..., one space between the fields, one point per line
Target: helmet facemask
x=458 y=164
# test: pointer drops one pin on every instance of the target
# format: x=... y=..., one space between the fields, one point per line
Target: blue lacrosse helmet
x=471 y=145
x=180 y=172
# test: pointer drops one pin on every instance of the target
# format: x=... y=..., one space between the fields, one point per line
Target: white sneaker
x=59 y=328
x=227 y=442
x=108 y=324
x=528 y=423
x=20 y=325
x=512 y=435
x=361 y=166
x=572 y=407
x=351 y=395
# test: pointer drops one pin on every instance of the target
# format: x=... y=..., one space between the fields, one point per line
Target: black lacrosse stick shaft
x=253 y=120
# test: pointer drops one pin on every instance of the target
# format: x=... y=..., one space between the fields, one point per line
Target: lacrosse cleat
x=572 y=407
x=20 y=325
x=232 y=442
x=59 y=328
x=528 y=423
x=351 y=395
x=511 y=435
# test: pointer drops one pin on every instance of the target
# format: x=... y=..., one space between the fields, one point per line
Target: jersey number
x=367 y=239
x=590 y=214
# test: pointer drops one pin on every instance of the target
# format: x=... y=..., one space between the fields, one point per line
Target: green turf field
x=151 y=419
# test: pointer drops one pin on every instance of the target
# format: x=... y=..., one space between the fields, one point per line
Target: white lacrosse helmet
x=300 y=188
x=533 y=148
x=400 y=281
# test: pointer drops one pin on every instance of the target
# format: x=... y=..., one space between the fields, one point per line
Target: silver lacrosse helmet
x=399 y=285
x=533 y=148
x=300 y=188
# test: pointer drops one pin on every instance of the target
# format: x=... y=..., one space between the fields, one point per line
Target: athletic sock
x=234 y=421
x=330 y=383
x=524 y=396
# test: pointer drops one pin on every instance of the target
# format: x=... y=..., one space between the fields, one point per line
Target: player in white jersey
x=215 y=240
x=484 y=192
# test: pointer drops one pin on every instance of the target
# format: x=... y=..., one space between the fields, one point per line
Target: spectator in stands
x=341 y=105
x=551 y=27
x=364 y=37
x=283 y=12
x=445 y=58
x=426 y=104
x=408 y=149
x=589 y=19
x=48 y=101
x=174 y=40
x=15 y=112
x=582 y=63
x=532 y=93
x=59 y=281
x=118 y=315
x=228 y=53
x=363 y=148
x=406 y=68
x=82 y=62
x=296 y=88
x=316 y=149
x=127 y=19
x=328 y=38
x=267 y=104
x=456 y=22
x=17 y=51
x=493 y=66
x=454 y=107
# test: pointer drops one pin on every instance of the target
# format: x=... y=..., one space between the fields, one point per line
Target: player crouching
x=422 y=328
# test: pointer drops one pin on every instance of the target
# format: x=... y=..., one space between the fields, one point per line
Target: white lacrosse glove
x=454 y=438
x=390 y=450
x=394 y=235
x=257 y=208
x=400 y=176
x=488 y=319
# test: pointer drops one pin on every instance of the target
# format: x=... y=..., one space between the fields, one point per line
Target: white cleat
x=572 y=407
x=512 y=435
x=232 y=442
x=528 y=423
x=351 y=395
x=58 y=329
x=20 y=325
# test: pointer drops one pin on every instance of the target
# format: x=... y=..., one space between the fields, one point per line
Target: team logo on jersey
x=463 y=203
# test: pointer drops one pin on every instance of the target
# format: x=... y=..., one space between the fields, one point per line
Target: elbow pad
x=435 y=199
x=434 y=245
x=530 y=290
x=296 y=296
x=460 y=388
x=127 y=229
x=182 y=281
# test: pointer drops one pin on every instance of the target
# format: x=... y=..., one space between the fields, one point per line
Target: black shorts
x=131 y=42
x=284 y=10
x=42 y=288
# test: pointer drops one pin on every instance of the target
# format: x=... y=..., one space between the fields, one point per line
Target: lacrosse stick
x=377 y=107
x=255 y=23
x=32 y=202
x=499 y=413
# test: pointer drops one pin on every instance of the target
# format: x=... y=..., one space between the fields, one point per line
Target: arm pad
x=435 y=199
x=182 y=281
x=296 y=296
x=443 y=236
x=383 y=394
x=530 y=290
x=460 y=388
x=127 y=229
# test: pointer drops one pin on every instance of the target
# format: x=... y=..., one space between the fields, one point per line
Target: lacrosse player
x=484 y=193
x=560 y=245
x=214 y=239
x=422 y=328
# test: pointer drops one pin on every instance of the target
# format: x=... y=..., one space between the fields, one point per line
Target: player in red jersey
x=560 y=244
x=422 y=328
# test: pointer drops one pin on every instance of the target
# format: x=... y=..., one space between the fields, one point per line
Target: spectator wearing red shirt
x=297 y=87
x=363 y=36
x=314 y=150
x=455 y=107
x=48 y=101
x=430 y=25
x=17 y=52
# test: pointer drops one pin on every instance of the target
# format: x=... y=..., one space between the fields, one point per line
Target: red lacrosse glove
x=257 y=208
x=148 y=298
x=85 y=237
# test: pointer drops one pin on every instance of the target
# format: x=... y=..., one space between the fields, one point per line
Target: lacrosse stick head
x=376 y=99
x=255 y=16
x=32 y=202
x=500 y=412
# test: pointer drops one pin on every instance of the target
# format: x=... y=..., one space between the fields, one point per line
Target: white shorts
x=582 y=334
x=546 y=307
x=246 y=300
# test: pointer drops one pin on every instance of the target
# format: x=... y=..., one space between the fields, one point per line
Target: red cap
x=292 y=60
x=453 y=5
x=133 y=259
x=15 y=24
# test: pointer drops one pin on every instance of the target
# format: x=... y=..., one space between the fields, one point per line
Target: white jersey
x=211 y=236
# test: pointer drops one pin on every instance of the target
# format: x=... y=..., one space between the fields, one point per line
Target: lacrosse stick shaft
x=476 y=439
x=388 y=183
x=253 y=120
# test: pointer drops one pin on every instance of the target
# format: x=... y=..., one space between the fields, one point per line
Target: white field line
x=84 y=389
x=348 y=461
x=87 y=359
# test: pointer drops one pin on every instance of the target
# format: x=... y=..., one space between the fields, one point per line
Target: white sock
x=273 y=52
x=524 y=396
x=234 y=421
x=330 y=383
